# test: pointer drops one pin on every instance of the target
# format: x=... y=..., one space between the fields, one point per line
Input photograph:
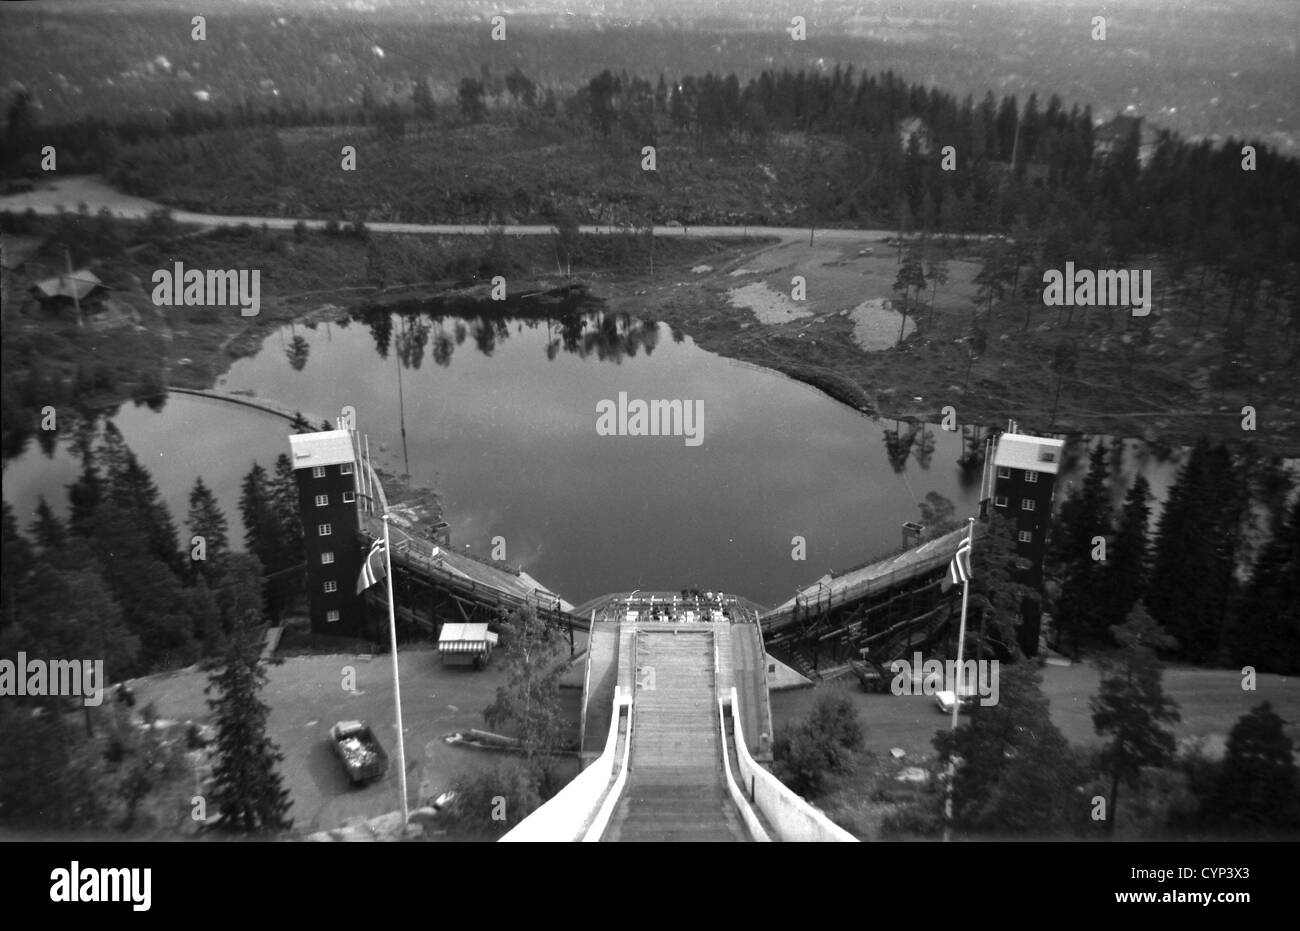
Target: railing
x=945 y=546
x=408 y=550
x=586 y=686
x=575 y=809
x=600 y=822
x=791 y=816
x=738 y=798
x=765 y=746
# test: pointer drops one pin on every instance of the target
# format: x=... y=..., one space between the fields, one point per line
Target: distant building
x=325 y=467
x=1024 y=484
x=62 y=294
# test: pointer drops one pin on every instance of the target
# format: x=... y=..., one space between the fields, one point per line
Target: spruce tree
x=1131 y=707
x=84 y=496
x=997 y=592
x=47 y=529
x=1258 y=787
x=1191 y=574
x=261 y=530
x=248 y=792
x=1127 y=568
x=1265 y=632
x=1086 y=514
x=1015 y=770
x=206 y=520
x=284 y=500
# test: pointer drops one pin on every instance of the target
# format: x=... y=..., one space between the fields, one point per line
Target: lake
x=501 y=419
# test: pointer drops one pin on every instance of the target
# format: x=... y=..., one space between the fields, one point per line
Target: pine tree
x=132 y=489
x=84 y=496
x=1258 y=787
x=1086 y=514
x=206 y=520
x=1265 y=632
x=998 y=594
x=1127 y=568
x=1130 y=706
x=261 y=529
x=1015 y=769
x=284 y=500
x=18 y=559
x=47 y=529
x=1196 y=539
x=248 y=790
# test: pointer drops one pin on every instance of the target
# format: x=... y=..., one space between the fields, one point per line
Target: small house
x=466 y=645
x=61 y=294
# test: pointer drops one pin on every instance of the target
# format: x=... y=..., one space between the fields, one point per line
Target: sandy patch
x=769 y=306
x=876 y=323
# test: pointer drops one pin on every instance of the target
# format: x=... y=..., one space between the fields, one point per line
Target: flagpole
x=956 y=695
x=397 y=683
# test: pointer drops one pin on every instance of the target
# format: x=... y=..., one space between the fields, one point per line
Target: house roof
x=76 y=285
x=1033 y=453
x=328 y=447
x=465 y=638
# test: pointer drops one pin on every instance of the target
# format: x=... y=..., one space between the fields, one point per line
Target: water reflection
x=602 y=335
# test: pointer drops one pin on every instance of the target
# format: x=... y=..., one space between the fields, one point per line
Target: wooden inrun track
x=868 y=581
x=465 y=579
x=676 y=787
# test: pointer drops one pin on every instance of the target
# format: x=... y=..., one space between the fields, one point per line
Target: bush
x=490 y=802
x=809 y=754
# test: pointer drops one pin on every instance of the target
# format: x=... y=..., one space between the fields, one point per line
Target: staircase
x=675 y=788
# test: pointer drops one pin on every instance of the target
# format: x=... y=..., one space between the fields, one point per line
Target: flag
x=371 y=570
x=959 y=569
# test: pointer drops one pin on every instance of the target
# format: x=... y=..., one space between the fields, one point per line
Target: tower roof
x=1034 y=453
x=329 y=447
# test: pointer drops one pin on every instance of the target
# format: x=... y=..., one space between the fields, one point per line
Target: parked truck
x=359 y=749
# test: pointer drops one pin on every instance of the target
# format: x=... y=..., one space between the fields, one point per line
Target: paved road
x=68 y=193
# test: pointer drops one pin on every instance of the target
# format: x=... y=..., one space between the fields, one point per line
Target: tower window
x=1046 y=454
x=331 y=586
x=322 y=500
x=327 y=557
x=331 y=617
x=349 y=497
x=1004 y=472
x=318 y=472
x=1000 y=501
x=1026 y=504
x=1026 y=536
x=345 y=468
x=1031 y=475
x=324 y=530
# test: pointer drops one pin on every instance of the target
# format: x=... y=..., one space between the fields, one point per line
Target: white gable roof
x=1034 y=453
x=330 y=447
